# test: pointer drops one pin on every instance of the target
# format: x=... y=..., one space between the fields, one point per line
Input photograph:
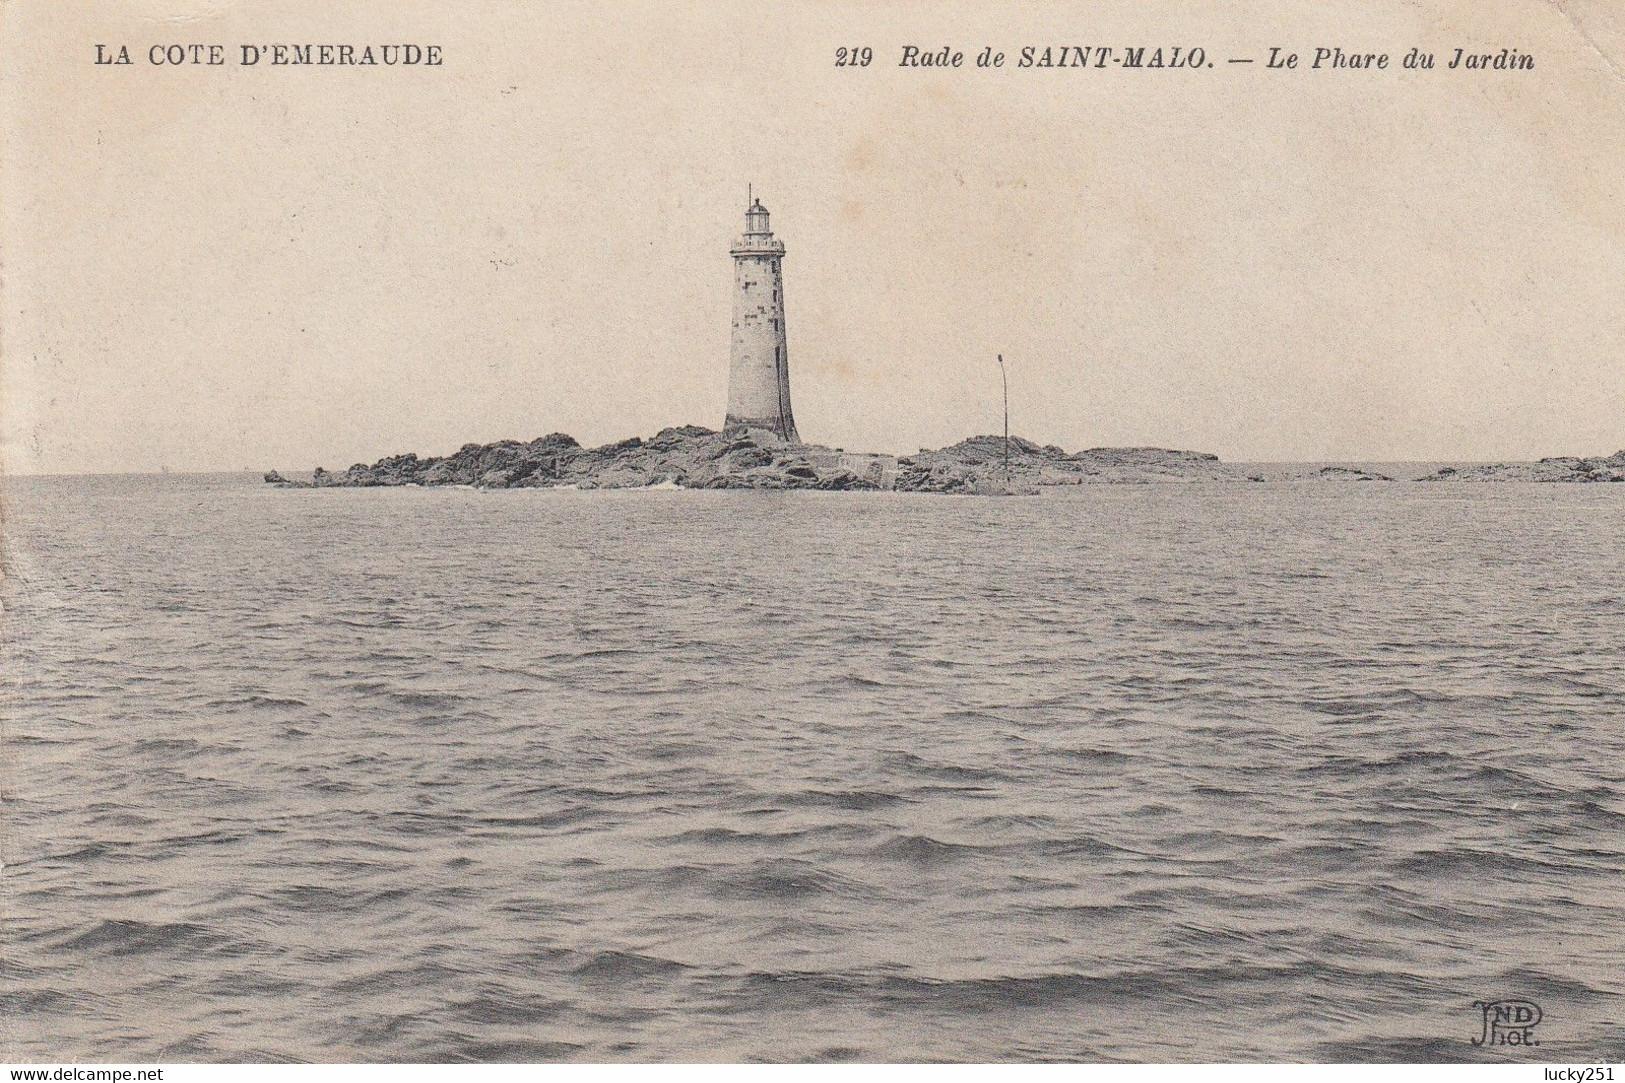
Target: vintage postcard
x=867 y=532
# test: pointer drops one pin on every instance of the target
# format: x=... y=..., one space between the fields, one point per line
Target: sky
x=220 y=268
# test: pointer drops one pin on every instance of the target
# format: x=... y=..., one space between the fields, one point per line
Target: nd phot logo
x=1508 y=1022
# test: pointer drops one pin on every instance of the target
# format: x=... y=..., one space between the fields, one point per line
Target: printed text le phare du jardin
x=1190 y=58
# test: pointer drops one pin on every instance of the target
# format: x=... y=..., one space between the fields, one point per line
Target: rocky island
x=694 y=457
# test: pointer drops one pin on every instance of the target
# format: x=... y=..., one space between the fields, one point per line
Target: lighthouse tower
x=759 y=368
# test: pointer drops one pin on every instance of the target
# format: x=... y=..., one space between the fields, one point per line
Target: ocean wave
x=127 y=936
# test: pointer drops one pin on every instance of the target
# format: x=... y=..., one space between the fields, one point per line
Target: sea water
x=1153 y=772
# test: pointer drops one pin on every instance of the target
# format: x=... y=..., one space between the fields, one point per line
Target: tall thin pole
x=1005 y=380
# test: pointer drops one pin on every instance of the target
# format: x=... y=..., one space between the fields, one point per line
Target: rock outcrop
x=691 y=457
x=978 y=465
x=1347 y=473
x=1563 y=468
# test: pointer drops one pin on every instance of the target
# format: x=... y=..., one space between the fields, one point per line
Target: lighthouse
x=759 y=364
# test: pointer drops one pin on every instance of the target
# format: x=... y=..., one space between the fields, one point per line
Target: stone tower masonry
x=759 y=368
